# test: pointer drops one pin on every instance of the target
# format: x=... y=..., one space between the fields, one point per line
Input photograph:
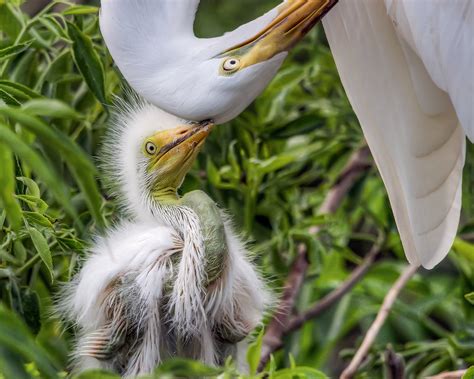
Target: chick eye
x=231 y=64
x=150 y=148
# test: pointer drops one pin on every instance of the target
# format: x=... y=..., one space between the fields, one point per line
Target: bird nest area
x=267 y=244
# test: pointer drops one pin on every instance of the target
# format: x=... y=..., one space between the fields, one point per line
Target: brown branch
x=33 y=7
x=272 y=340
x=297 y=321
x=449 y=375
x=357 y=164
x=382 y=315
x=277 y=327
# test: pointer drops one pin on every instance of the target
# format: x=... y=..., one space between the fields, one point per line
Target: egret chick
x=172 y=279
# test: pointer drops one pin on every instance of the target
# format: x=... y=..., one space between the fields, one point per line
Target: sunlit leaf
x=13 y=50
x=254 y=352
x=50 y=108
x=80 y=10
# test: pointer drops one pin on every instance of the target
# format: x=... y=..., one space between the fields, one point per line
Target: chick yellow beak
x=294 y=21
x=181 y=143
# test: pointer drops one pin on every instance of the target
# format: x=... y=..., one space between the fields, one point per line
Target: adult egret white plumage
x=154 y=46
x=407 y=67
x=172 y=279
x=409 y=75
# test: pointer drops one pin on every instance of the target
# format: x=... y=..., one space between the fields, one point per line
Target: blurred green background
x=271 y=168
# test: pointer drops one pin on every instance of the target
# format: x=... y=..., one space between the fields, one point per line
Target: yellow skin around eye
x=227 y=68
x=175 y=152
x=150 y=148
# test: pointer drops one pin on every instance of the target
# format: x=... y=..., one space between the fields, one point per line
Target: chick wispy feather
x=143 y=295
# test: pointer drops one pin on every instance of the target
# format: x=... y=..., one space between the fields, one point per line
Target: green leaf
x=464 y=248
x=13 y=50
x=20 y=251
x=34 y=203
x=82 y=168
x=97 y=374
x=42 y=247
x=212 y=172
x=50 y=108
x=17 y=90
x=88 y=186
x=11 y=365
x=38 y=165
x=51 y=137
x=8 y=98
x=7 y=187
x=33 y=188
x=10 y=22
x=185 y=368
x=54 y=25
x=71 y=243
x=17 y=340
x=81 y=10
x=38 y=219
x=88 y=62
x=470 y=297
x=469 y=374
x=254 y=352
x=27 y=304
x=299 y=373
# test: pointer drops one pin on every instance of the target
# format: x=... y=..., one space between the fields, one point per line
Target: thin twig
x=449 y=375
x=32 y=7
x=278 y=325
x=272 y=339
x=297 y=321
x=374 y=329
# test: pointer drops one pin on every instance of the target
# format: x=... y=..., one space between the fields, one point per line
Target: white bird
x=407 y=67
x=172 y=279
x=154 y=46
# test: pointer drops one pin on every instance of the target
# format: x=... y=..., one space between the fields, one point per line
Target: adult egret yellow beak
x=295 y=19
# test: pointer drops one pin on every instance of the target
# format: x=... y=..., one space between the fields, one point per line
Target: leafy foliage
x=271 y=168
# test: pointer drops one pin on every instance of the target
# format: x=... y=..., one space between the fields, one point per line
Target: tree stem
x=382 y=315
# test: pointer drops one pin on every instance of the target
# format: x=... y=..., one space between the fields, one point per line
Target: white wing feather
x=442 y=34
x=410 y=125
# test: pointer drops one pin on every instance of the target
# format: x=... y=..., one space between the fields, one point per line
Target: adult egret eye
x=231 y=64
x=150 y=148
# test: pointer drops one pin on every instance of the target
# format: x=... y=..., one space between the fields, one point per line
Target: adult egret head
x=154 y=46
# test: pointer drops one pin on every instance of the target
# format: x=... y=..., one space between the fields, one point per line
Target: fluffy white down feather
x=238 y=298
x=143 y=248
x=407 y=69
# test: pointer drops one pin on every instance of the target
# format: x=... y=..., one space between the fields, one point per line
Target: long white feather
x=410 y=124
x=442 y=35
